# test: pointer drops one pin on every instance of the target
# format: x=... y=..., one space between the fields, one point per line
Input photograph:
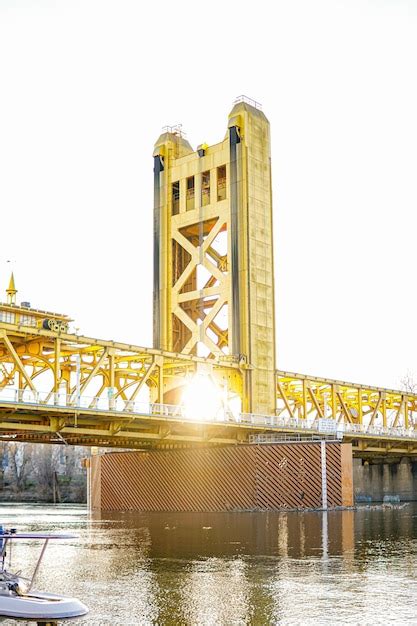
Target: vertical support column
x=334 y=401
x=20 y=387
x=251 y=254
x=169 y=148
x=77 y=379
x=68 y=388
x=157 y=171
x=234 y=139
x=304 y=399
x=360 y=411
x=384 y=409
x=111 y=379
x=323 y=475
x=161 y=382
x=57 y=368
x=157 y=393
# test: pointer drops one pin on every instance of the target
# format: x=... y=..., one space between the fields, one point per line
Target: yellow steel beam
x=94 y=371
x=16 y=359
x=35 y=352
x=73 y=343
x=367 y=407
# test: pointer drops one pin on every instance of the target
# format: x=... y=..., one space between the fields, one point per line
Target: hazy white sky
x=85 y=87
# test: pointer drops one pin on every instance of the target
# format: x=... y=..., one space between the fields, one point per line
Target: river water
x=356 y=567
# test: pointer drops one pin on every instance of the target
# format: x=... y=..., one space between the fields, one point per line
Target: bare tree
x=45 y=467
x=408 y=382
x=20 y=464
x=42 y=472
x=73 y=474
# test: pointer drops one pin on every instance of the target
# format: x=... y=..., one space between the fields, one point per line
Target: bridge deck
x=65 y=388
x=159 y=425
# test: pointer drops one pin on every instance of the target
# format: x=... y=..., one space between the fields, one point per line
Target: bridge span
x=83 y=391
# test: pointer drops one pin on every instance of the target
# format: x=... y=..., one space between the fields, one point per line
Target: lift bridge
x=211 y=377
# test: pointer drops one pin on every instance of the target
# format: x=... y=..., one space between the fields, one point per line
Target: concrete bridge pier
x=287 y=475
x=374 y=479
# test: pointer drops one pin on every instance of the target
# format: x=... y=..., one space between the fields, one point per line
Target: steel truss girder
x=41 y=360
x=374 y=409
x=368 y=413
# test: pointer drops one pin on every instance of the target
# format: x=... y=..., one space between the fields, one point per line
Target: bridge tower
x=213 y=250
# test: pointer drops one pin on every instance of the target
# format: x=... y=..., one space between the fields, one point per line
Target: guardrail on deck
x=180 y=412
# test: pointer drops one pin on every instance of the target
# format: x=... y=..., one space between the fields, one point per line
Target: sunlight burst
x=202 y=399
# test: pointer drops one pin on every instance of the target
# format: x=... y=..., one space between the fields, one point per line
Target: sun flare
x=202 y=399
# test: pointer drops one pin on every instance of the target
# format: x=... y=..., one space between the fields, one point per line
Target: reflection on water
x=229 y=568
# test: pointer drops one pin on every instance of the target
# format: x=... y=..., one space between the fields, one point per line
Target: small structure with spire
x=11 y=291
x=23 y=314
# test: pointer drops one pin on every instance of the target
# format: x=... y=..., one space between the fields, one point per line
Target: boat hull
x=41 y=607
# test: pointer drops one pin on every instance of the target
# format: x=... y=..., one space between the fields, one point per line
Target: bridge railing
x=111 y=403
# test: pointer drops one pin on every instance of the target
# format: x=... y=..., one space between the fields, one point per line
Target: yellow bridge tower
x=213 y=250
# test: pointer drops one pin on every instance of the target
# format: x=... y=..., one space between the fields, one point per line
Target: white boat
x=18 y=598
